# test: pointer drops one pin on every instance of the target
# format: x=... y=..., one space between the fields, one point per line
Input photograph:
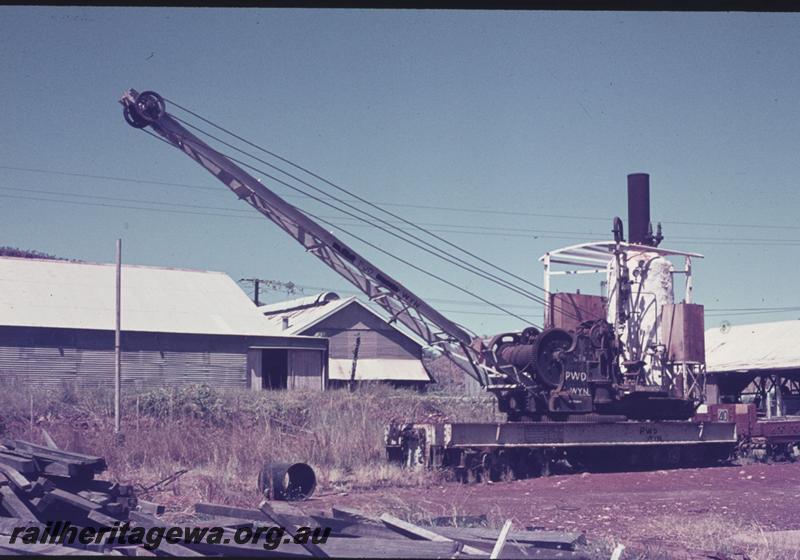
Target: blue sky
x=539 y=113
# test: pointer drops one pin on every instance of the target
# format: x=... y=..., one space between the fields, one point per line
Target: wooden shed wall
x=378 y=340
x=49 y=357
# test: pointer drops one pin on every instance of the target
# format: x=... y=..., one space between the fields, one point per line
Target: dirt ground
x=665 y=511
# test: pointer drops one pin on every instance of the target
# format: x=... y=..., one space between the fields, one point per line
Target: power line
x=404 y=261
x=484 y=230
x=360 y=199
x=396 y=204
x=425 y=247
x=732 y=311
x=108 y=178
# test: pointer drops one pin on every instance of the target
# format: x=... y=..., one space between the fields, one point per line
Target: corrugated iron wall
x=378 y=340
x=304 y=369
x=52 y=356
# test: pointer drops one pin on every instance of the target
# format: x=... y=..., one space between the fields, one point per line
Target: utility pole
x=256 y=285
x=117 y=346
x=275 y=285
x=352 y=384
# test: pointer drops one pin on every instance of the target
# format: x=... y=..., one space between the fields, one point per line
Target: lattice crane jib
x=147 y=109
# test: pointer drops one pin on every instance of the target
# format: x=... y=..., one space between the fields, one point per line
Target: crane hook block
x=142 y=109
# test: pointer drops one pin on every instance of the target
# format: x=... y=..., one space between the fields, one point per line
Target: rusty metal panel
x=568 y=310
x=682 y=332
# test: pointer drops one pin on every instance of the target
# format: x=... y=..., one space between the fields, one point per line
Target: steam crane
x=577 y=368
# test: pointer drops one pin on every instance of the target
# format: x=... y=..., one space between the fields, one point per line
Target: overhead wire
x=431 y=249
x=364 y=201
x=524 y=233
x=721 y=312
x=357 y=197
x=380 y=249
x=406 y=205
x=426 y=246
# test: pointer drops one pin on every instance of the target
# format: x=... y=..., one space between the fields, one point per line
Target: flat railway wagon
x=510 y=450
x=775 y=438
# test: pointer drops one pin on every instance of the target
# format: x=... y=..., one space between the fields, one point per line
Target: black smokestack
x=639 y=209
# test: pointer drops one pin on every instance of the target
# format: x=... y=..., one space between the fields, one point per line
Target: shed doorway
x=274 y=369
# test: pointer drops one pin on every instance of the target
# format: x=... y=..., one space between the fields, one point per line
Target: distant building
x=760 y=361
x=385 y=353
x=178 y=326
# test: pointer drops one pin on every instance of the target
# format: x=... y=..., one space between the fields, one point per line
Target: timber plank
x=230 y=511
x=421 y=533
x=290 y=528
x=15 y=477
x=351 y=514
x=101 y=518
x=357 y=530
x=97 y=497
x=539 y=538
x=21 y=464
x=40 y=451
x=231 y=522
x=73 y=499
x=15 y=506
x=338 y=548
x=147 y=521
x=392 y=548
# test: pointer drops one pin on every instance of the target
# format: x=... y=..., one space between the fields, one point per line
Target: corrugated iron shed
x=759 y=346
x=300 y=317
x=303 y=313
x=64 y=294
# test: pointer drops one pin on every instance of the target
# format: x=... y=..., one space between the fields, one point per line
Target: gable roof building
x=82 y=295
x=385 y=353
x=758 y=346
x=57 y=321
x=760 y=359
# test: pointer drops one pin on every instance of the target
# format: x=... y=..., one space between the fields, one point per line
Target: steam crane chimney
x=640 y=229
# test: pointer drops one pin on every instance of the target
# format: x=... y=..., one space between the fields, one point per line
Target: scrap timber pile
x=44 y=488
x=41 y=485
x=355 y=534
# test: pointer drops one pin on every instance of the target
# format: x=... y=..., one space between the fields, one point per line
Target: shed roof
x=759 y=346
x=64 y=294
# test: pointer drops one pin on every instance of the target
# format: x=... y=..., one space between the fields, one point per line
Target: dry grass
x=720 y=535
x=226 y=437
